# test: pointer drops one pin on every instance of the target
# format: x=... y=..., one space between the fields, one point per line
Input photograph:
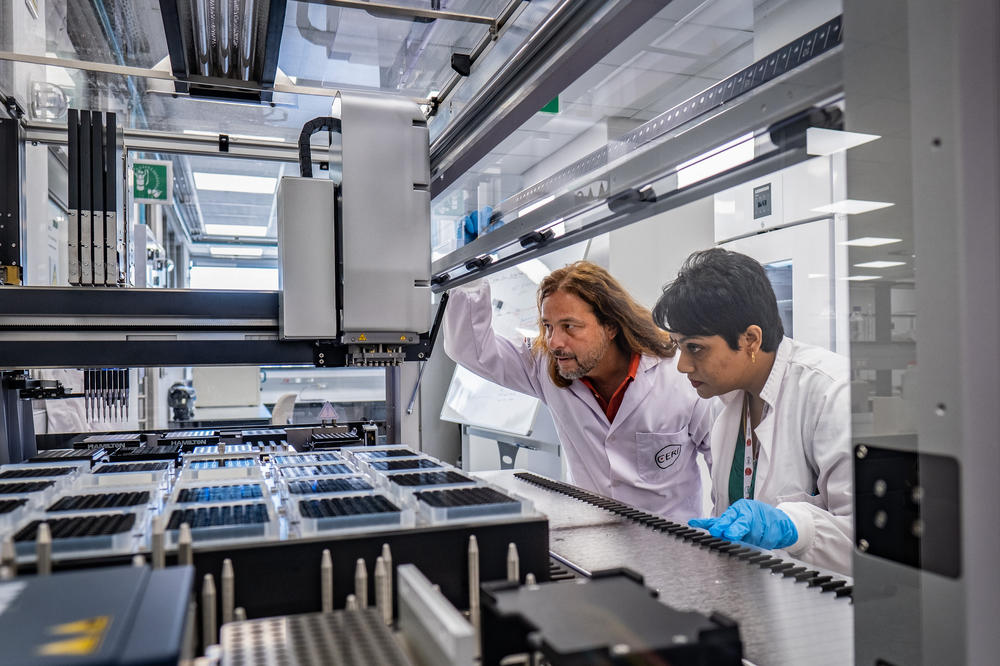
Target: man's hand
x=752 y=522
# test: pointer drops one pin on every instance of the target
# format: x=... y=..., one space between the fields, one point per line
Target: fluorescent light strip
x=871 y=241
x=880 y=264
x=724 y=157
x=234 y=230
x=853 y=207
x=535 y=206
x=235 y=251
x=231 y=182
x=862 y=278
x=821 y=141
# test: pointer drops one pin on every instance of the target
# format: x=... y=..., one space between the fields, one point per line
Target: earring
x=753 y=357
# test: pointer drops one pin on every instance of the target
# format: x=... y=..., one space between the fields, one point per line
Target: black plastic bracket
x=223 y=143
x=791 y=132
x=535 y=238
x=461 y=63
x=478 y=263
x=13 y=108
x=631 y=198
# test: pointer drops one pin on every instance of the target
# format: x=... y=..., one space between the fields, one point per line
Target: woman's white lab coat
x=804 y=466
x=645 y=458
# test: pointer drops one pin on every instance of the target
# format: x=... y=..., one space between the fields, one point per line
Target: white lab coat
x=646 y=458
x=804 y=465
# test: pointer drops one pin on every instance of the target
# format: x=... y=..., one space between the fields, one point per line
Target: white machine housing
x=380 y=218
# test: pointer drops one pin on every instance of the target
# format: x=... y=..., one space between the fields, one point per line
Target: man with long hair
x=630 y=425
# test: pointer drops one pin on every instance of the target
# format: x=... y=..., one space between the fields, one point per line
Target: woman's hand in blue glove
x=752 y=522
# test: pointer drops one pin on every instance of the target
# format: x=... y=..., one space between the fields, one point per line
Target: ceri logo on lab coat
x=668 y=455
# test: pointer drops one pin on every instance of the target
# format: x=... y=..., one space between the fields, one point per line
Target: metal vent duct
x=224 y=48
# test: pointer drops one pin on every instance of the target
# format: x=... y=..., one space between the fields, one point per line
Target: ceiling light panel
x=820 y=141
x=880 y=264
x=853 y=207
x=871 y=241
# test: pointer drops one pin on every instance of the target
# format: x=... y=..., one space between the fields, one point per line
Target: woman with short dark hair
x=781 y=446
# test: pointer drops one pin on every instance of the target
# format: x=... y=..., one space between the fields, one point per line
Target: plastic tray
x=218 y=470
x=36 y=491
x=229 y=491
x=13 y=509
x=90 y=455
x=311 y=458
x=379 y=452
x=390 y=466
x=227 y=449
x=217 y=521
x=65 y=470
x=168 y=452
x=403 y=484
x=349 y=513
x=115 y=533
x=307 y=471
x=339 y=484
x=103 y=499
x=150 y=473
x=481 y=502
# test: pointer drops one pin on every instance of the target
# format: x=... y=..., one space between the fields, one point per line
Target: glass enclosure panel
x=687 y=47
x=331 y=47
x=183 y=398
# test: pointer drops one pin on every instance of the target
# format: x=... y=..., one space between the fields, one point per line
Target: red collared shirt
x=611 y=407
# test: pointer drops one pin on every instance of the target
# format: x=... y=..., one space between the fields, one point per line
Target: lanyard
x=749 y=460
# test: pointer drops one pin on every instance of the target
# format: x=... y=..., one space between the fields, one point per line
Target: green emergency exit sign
x=151 y=181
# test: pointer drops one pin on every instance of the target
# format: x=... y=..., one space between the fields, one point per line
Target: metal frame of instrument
x=954 y=137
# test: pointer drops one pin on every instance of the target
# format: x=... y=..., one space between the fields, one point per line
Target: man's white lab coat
x=646 y=458
x=804 y=466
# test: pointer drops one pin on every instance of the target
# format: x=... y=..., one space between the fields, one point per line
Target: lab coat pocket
x=658 y=455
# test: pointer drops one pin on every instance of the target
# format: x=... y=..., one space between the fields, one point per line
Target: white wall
x=646 y=255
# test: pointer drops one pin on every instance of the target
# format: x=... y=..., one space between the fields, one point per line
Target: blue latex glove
x=752 y=522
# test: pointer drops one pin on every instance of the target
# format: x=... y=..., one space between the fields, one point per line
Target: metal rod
x=185 y=552
x=387 y=558
x=381 y=603
x=361 y=583
x=405 y=12
x=513 y=563
x=326 y=581
x=474 y=583
x=239 y=614
x=529 y=579
x=208 y=628
x=43 y=550
x=416 y=387
x=187 y=653
x=138 y=561
x=228 y=590
x=159 y=554
x=352 y=603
